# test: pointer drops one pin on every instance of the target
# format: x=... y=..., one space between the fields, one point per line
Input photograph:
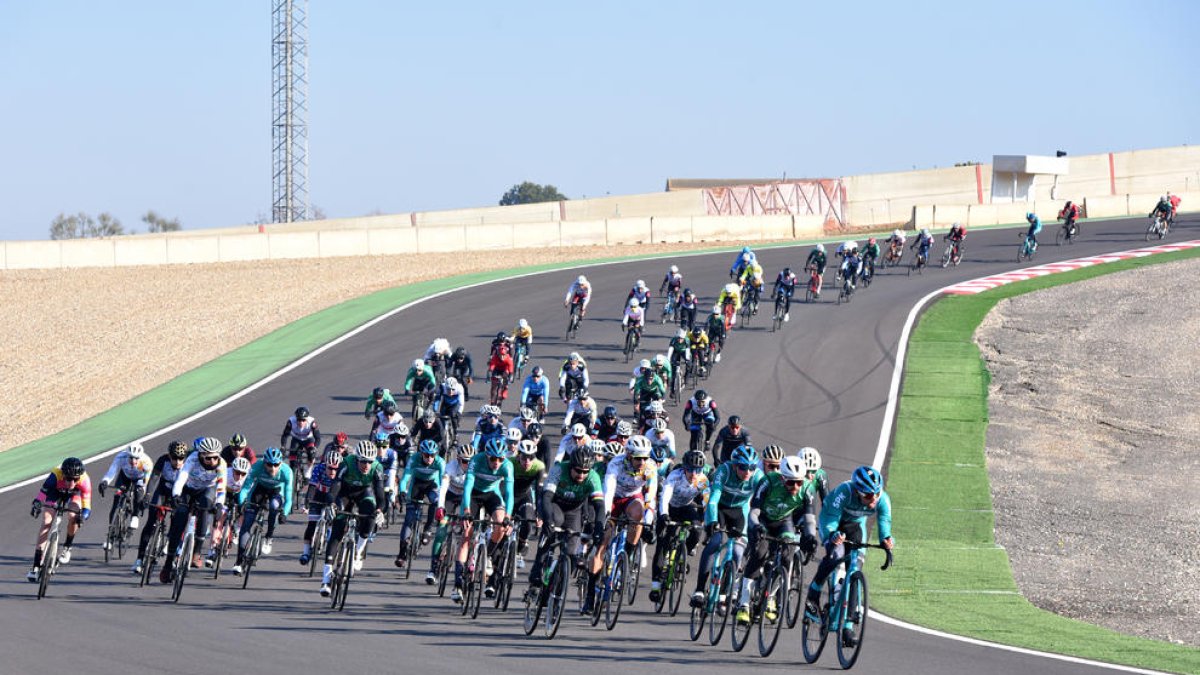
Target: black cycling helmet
x=377 y=393
x=177 y=449
x=72 y=467
x=694 y=459
x=302 y=412
x=534 y=430
x=460 y=352
x=701 y=395
x=581 y=394
x=238 y=441
x=583 y=458
x=609 y=412
x=735 y=420
x=501 y=336
x=389 y=409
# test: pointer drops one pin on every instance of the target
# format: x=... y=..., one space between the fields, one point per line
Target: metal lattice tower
x=289 y=111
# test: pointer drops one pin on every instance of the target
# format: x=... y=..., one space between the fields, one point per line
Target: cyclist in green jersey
x=359 y=484
x=528 y=474
x=771 y=508
x=572 y=485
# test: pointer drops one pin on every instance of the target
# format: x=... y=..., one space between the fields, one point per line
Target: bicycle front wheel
x=794 y=598
x=556 y=595
x=813 y=635
x=773 y=618
x=475 y=585
x=614 y=594
x=854 y=629
x=344 y=571
x=678 y=578
x=182 y=564
x=634 y=577
x=47 y=569
x=724 y=592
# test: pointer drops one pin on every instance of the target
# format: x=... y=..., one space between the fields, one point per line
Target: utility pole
x=289 y=111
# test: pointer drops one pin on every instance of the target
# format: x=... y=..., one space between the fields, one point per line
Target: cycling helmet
x=612 y=449
x=610 y=412
x=401 y=430
x=871 y=241
x=460 y=352
x=644 y=363
x=72 y=468
x=377 y=392
x=701 y=396
x=581 y=280
x=681 y=333
x=209 y=447
x=792 y=468
x=466 y=451
x=452 y=383
x=534 y=430
x=638 y=446
x=536 y=372
x=624 y=428
x=596 y=446
x=583 y=459
x=429 y=416
x=811 y=458
x=735 y=420
x=389 y=408
x=897 y=234
x=924 y=232
x=655 y=407
x=772 y=453
x=694 y=459
x=578 y=431
x=501 y=336
x=745 y=455
x=716 y=310
x=301 y=413
x=527 y=448
x=339 y=439
x=574 y=356
x=493 y=410
x=496 y=448
x=242 y=465
x=641 y=284
x=752 y=258
x=513 y=435
x=697 y=330
x=177 y=449
x=366 y=450
x=429 y=447
x=582 y=394
x=867 y=480
x=732 y=288
x=238 y=441
x=273 y=456
x=633 y=303
x=660 y=360
x=332 y=458
x=380 y=436
x=136 y=451
x=528 y=414
x=523 y=323
x=418 y=364
x=660 y=425
x=674 y=269
x=1029 y=217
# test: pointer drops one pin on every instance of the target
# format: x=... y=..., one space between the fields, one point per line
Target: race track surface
x=821 y=381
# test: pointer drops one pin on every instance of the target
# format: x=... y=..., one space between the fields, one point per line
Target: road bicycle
x=844 y=611
x=846 y=290
x=769 y=601
x=475 y=568
x=674 y=567
x=254 y=548
x=671 y=307
x=420 y=401
x=609 y=591
x=780 y=314
x=749 y=303
x=414 y=527
x=499 y=390
x=1027 y=249
x=157 y=543
x=723 y=581
x=506 y=569
x=49 y=564
x=118 y=527
x=445 y=545
x=1158 y=227
x=633 y=338
x=1066 y=234
x=574 y=319
x=891 y=257
x=918 y=264
x=229 y=528
x=186 y=552
x=953 y=254
x=551 y=595
x=343 y=561
x=728 y=311
x=320 y=540
x=520 y=357
x=812 y=291
x=866 y=271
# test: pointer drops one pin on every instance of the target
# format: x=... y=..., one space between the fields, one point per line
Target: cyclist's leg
x=634 y=510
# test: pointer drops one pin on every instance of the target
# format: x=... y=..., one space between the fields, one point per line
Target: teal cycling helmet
x=273 y=456
x=745 y=455
x=867 y=480
x=496 y=447
x=1029 y=217
x=429 y=447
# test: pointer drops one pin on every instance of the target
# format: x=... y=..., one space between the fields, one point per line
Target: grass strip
x=951 y=574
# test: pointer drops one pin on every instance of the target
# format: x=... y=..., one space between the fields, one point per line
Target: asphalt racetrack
x=821 y=381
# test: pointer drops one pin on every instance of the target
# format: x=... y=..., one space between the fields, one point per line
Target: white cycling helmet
x=581 y=280
x=624 y=428
x=641 y=284
x=660 y=425
x=367 y=450
x=633 y=303
x=136 y=451
x=418 y=364
x=644 y=363
x=820 y=248
x=897 y=234
x=732 y=287
x=574 y=356
x=810 y=457
x=681 y=333
x=924 y=232
x=638 y=446
x=241 y=465
x=578 y=431
x=527 y=448
x=523 y=323
x=401 y=430
x=674 y=269
x=655 y=407
x=792 y=468
x=513 y=435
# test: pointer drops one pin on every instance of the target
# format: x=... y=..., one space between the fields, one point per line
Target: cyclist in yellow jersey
x=523 y=334
x=752 y=277
x=730 y=293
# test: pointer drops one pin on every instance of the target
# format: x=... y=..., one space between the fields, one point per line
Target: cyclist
x=816 y=259
x=572 y=376
x=1165 y=208
x=785 y=283
x=523 y=335
x=730 y=295
x=641 y=293
x=581 y=410
x=238 y=447
x=662 y=442
x=579 y=292
x=816 y=489
x=733 y=484
x=129 y=469
x=68 y=482
x=389 y=460
x=428 y=429
x=200 y=484
x=449 y=501
x=401 y=442
x=324 y=474
x=489 y=485
x=525 y=417
x=421 y=481
x=896 y=243
x=731 y=436
x=752 y=280
x=698 y=346
x=380 y=396
x=420 y=379
x=922 y=243
x=606 y=426
x=870 y=254
x=744 y=258
x=1069 y=213
x=578 y=438
x=269 y=485
x=461 y=369
x=223 y=522
x=630 y=490
x=649 y=386
x=1035 y=226
x=487 y=426
x=359 y=484
x=687 y=308
x=437 y=357
x=652 y=412
x=449 y=402
x=512 y=438
x=386 y=420
x=777 y=497
x=528 y=474
x=535 y=392
x=167 y=469
x=844 y=516
x=533 y=432
x=679 y=349
x=851 y=267
x=671 y=284
x=572 y=484
x=501 y=365
x=634 y=317
x=958 y=234
x=700 y=410
x=683 y=499
x=300 y=437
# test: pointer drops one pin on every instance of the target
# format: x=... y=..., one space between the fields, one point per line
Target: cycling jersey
x=234 y=483
x=698 y=342
x=453 y=479
x=304 y=431
x=773 y=499
x=671 y=282
x=280 y=483
x=726 y=296
x=787 y=283
x=577 y=409
x=55 y=488
x=319 y=483
x=643 y=296
x=535 y=387
x=663 y=445
x=525 y=334
x=526 y=480
x=579 y=293
x=680 y=489
x=417 y=471
x=729 y=491
x=195 y=476
x=386 y=424
x=634 y=316
x=483 y=479
x=374 y=406
x=843 y=506
x=421 y=380
x=136 y=471
x=622 y=480
x=167 y=473
x=753 y=274
x=567 y=492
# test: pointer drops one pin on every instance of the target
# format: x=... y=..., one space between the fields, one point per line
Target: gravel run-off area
x=1092 y=448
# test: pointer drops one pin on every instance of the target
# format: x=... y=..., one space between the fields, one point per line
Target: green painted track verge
x=951 y=574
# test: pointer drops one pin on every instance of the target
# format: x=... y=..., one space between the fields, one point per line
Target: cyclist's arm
x=289 y=488
x=883 y=517
x=507 y=478
x=112 y=469
x=610 y=484
x=468 y=487
x=283 y=438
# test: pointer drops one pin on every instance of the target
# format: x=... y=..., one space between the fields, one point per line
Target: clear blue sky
x=126 y=106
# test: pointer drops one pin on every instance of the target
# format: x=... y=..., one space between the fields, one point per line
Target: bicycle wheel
x=664 y=590
x=445 y=560
x=724 y=591
x=556 y=599
x=628 y=345
x=635 y=573
x=855 y=620
x=678 y=578
x=946 y=257
x=739 y=633
x=345 y=571
x=49 y=556
x=615 y=593
x=696 y=623
x=1060 y=236
x=795 y=596
x=814 y=633
x=506 y=583
x=318 y=547
x=535 y=603
x=182 y=564
x=498 y=574
x=475 y=590
x=771 y=623
x=110 y=538
x=253 y=550
x=155 y=544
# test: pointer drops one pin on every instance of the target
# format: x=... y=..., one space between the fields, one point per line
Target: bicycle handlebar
x=854 y=545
